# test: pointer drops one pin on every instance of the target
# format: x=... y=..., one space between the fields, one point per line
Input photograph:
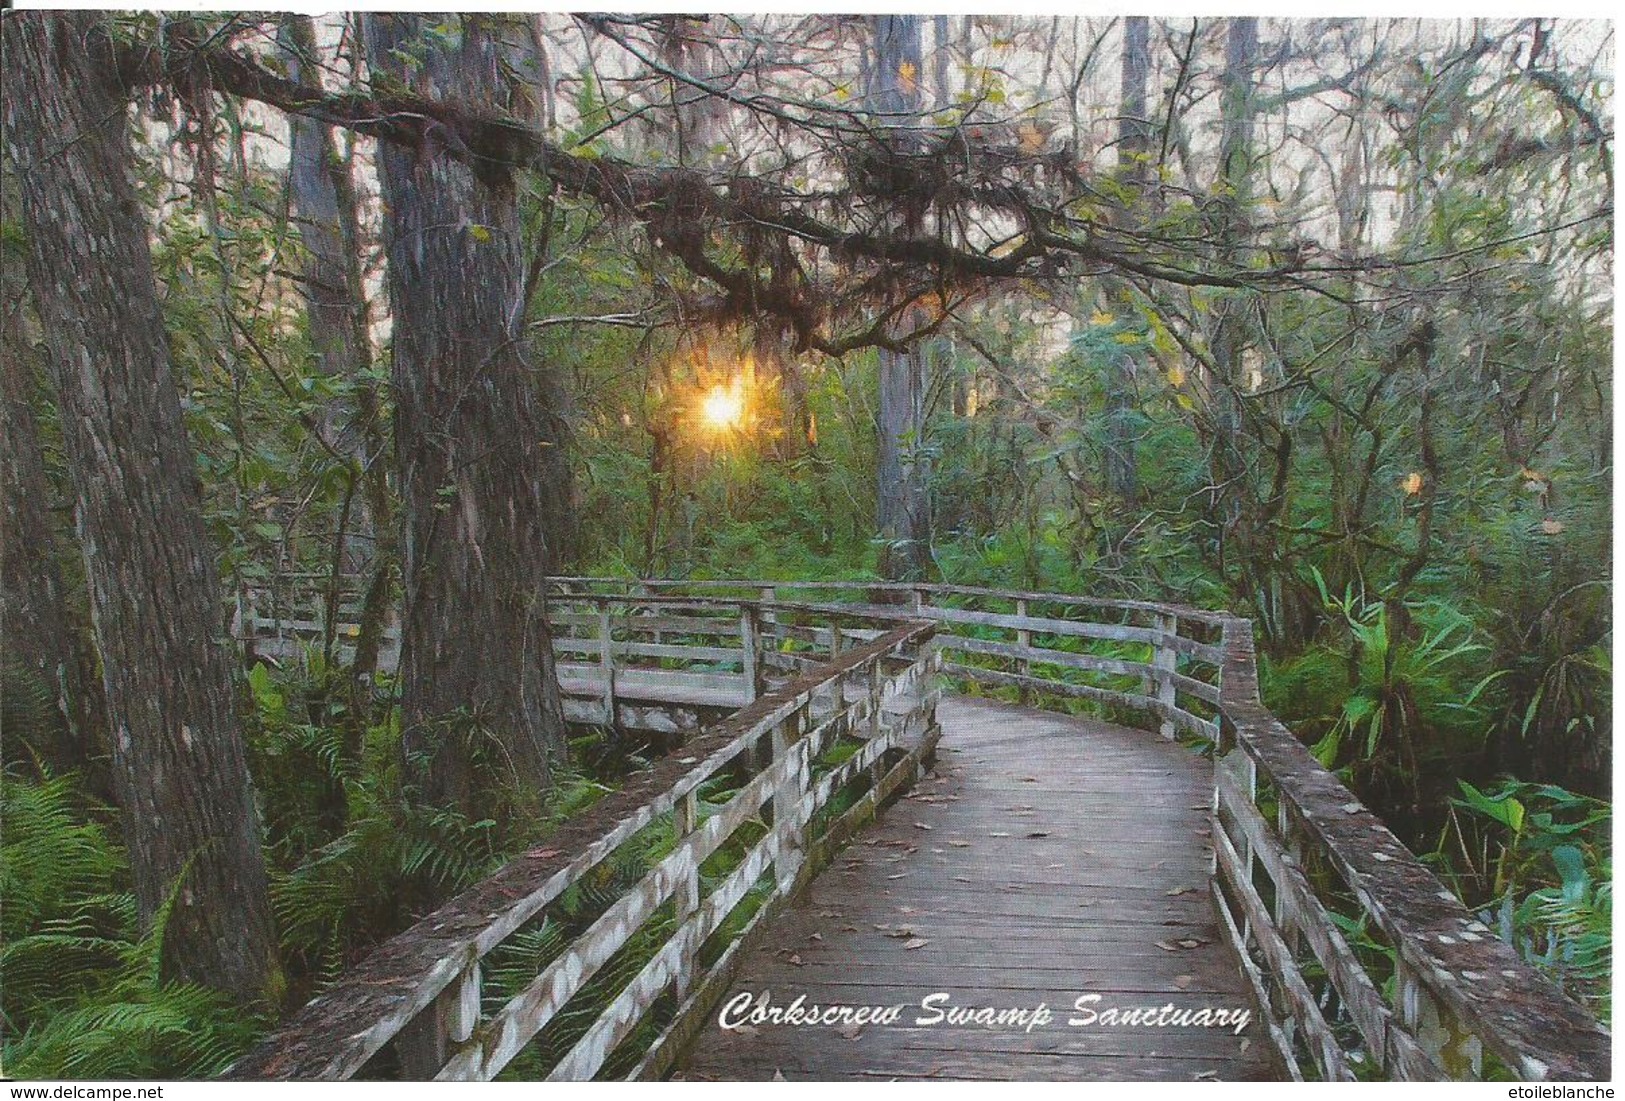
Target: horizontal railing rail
x=807 y=762
x=1428 y=993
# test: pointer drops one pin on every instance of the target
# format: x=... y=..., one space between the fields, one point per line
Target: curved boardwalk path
x=1046 y=857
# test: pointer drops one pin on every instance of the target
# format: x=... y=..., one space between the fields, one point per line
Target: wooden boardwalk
x=1045 y=858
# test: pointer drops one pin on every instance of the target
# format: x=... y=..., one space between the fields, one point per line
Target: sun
x=722 y=409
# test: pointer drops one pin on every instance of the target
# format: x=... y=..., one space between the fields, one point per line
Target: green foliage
x=82 y=997
x=1536 y=858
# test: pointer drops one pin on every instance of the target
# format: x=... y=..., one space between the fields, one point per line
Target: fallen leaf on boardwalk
x=816 y=936
x=1029 y=779
x=1037 y=833
x=962 y=879
x=1167 y=946
x=998 y=833
x=849 y=1030
x=1177 y=891
x=1207 y=1076
x=795 y=960
x=921 y=826
x=778 y=1075
x=907 y=910
x=747 y=1030
x=917 y=942
x=849 y=928
x=1047 y=867
x=828 y=914
x=899 y=875
x=1245 y=1044
x=960 y=844
x=1183 y=981
x=1191 y=942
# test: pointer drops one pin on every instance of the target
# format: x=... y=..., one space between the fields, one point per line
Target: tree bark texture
x=44 y=704
x=903 y=505
x=471 y=437
x=190 y=822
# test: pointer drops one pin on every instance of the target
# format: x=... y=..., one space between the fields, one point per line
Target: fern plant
x=82 y=996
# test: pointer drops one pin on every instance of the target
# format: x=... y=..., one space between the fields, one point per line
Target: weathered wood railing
x=1440 y=997
x=808 y=761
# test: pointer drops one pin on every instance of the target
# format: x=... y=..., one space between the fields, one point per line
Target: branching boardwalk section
x=1046 y=858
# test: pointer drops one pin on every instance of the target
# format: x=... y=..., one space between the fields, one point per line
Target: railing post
x=426 y=1042
x=750 y=663
x=1166 y=659
x=606 y=661
x=1460 y=1054
x=789 y=800
x=770 y=618
x=878 y=728
x=686 y=898
x=1024 y=665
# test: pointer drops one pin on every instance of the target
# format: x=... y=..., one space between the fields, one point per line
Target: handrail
x=422 y=989
x=1291 y=844
x=1459 y=991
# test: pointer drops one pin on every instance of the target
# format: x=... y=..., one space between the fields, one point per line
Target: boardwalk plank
x=1010 y=920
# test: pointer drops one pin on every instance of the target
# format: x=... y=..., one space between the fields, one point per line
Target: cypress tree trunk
x=471 y=436
x=1227 y=337
x=189 y=818
x=44 y=702
x=903 y=507
x=323 y=204
x=1133 y=142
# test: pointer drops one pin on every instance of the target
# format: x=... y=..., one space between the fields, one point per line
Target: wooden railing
x=1432 y=993
x=1428 y=993
x=806 y=763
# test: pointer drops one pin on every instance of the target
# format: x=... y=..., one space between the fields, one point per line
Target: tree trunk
x=45 y=706
x=189 y=818
x=903 y=508
x=470 y=437
x=1229 y=337
x=1121 y=467
x=323 y=205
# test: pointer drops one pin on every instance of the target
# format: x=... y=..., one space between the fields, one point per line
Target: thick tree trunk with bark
x=45 y=706
x=903 y=506
x=189 y=818
x=471 y=438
